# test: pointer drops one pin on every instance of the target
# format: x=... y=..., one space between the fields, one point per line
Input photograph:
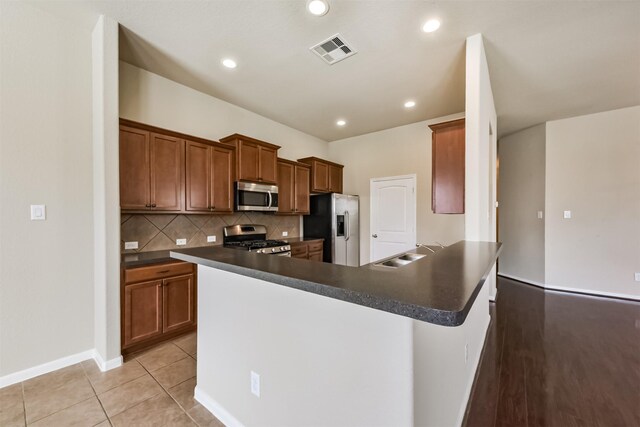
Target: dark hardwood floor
x=558 y=359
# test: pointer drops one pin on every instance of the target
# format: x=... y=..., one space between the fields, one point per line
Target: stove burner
x=253 y=238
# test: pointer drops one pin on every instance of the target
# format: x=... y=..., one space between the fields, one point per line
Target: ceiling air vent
x=333 y=49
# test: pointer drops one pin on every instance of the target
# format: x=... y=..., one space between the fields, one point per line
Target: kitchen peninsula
x=283 y=341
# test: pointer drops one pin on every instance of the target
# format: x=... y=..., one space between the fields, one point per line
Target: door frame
x=413 y=177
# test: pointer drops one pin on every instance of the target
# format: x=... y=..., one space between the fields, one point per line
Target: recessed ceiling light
x=431 y=25
x=341 y=122
x=318 y=7
x=229 y=63
x=409 y=104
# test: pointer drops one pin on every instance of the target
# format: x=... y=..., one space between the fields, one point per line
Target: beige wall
x=46 y=267
x=593 y=169
x=398 y=151
x=148 y=98
x=521 y=196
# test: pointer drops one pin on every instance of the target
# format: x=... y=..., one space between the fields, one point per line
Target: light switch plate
x=255 y=383
x=285 y=233
x=540 y=214
x=131 y=245
x=181 y=242
x=211 y=239
x=567 y=214
x=38 y=212
x=637 y=275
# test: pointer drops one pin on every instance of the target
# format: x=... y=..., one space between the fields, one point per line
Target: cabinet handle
x=153 y=205
x=147 y=206
x=159 y=285
x=163 y=271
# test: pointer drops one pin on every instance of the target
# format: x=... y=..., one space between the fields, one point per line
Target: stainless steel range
x=253 y=238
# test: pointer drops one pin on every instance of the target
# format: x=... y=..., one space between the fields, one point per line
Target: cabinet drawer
x=315 y=246
x=298 y=250
x=159 y=271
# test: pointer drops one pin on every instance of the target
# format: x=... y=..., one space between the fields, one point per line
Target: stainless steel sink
x=399 y=260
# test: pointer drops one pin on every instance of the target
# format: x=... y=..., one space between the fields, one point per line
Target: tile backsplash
x=156 y=232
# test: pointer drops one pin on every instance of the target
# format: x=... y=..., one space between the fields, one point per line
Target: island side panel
x=321 y=361
x=443 y=378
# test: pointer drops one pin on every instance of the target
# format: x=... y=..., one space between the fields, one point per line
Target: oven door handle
x=270 y=198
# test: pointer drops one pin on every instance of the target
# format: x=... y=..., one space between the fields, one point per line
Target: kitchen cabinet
x=293 y=187
x=151 y=171
x=308 y=249
x=256 y=161
x=209 y=177
x=448 y=167
x=326 y=176
x=158 y=302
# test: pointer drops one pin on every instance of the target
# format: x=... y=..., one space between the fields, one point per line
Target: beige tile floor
x=153 y=388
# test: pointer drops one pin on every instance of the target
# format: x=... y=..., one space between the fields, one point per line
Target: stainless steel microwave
x=251 y=196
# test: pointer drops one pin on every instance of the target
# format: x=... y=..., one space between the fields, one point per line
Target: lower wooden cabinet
x=158 y=303
x=308 y=249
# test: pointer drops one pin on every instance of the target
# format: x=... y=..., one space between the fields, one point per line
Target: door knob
x=375 y=236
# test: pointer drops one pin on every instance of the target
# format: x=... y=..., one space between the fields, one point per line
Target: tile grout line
x=24 y=404
x=166 y=390
x=95 y=393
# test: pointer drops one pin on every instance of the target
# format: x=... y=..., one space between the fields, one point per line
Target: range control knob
x=260 y=251
x=273 y=249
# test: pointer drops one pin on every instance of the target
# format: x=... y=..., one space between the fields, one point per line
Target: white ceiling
x=547 y=59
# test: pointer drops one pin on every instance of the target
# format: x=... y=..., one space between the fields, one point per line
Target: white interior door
x=393 y=216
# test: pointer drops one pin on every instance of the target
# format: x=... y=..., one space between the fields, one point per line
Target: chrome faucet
x=421 y=245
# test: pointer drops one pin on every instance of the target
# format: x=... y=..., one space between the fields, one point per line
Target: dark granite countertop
x=439 y=288
x=294 y=240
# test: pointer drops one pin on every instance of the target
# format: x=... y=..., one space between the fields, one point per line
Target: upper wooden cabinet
x=151 y=170
x=256 y=161
x=293 y=187
x=166 y=171
x=448 y=163
x=326 y=176
x=209 y=177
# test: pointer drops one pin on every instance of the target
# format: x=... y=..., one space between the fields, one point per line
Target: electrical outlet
x=466 y=353
x=255 y=383
x=131 y=245
x=567 y=214
x=637 y=275
x=285 y=233
x=540 y=214
x=181 y=242
x=211 y=239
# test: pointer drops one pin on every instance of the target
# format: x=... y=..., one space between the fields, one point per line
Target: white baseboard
x=569 y=289
x=63 y=362
x=45 y=368
x=108 y=364
x=216 y=409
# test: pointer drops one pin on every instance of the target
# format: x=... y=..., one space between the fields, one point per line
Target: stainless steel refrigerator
x=336 y=219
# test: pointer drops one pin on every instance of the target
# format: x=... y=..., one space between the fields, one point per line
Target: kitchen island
x=336 y=345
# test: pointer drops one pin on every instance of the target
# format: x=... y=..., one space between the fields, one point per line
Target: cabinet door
x=300 y=250
x=166 y=172
x=198 y=176
x=447 y=190
x=178 y=303
x=335 y=179
x=315 y=256
x=301 y=190
x=134 y=169
x=320 y=177
x=222 y=179
x=248 y=161
x=142 y=311
x=268 y=165
x=286 y=188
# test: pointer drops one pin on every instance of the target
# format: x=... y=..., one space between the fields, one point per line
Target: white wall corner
x=106 y=220
x=107 y=365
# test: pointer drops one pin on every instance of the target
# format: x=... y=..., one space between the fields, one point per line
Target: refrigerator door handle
x=347 y=226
